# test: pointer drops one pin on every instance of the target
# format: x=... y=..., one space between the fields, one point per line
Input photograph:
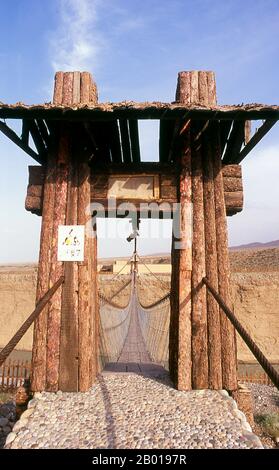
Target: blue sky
x=134 y=50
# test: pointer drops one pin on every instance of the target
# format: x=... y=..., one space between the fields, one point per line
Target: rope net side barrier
x=114 y=321
x=154 y=322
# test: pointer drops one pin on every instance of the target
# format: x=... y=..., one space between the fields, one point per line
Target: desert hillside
x=255 y=293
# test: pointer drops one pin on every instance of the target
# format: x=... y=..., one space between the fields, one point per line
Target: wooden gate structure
x=89 y=152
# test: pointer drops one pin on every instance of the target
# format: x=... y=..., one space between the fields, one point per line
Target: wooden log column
x=228 y=340
x=209 y=359
x=180 y=323
x=65 y=345
x=213 y=315
x=199 y=317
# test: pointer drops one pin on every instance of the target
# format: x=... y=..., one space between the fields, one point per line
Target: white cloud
x=75 y=44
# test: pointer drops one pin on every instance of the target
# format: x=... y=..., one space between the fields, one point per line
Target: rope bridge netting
x=149 y=322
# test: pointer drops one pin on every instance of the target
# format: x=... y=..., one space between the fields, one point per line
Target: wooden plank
x=125 y=140
x=199 y=314
x=257 y=137
x=247 y=132
x=37 y=138
x=225 y=128
x=228 y=345
x=134 y=138
x=114 y=141
x=43 y=131
x=235 y=142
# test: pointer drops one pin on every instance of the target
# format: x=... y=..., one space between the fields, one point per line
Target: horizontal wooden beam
x=19 y=142
x=261 y=132
x=167 y=192
x=108 y=111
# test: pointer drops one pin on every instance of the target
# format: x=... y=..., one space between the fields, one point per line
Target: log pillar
x=64 y=344
x=202 y=343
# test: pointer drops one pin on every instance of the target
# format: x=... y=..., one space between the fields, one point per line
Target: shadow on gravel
x=150 y=370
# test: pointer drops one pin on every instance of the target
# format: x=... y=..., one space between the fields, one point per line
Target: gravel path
x=132 y=411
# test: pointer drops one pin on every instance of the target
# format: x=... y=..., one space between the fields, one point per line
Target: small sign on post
x=71 y=243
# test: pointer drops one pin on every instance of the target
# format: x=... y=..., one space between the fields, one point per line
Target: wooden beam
x=114 y=140
x=225 y=127
x=43 y=131
x=134 y=137
x=19 y=142
x=247 y=132
x=25 y=132
x=165 y=111
x=199 y=310
x=235 y=142
x=257 y=137
x=37 y=138
x=125 y=140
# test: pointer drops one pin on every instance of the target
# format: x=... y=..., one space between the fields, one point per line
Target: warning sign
x=71 y=243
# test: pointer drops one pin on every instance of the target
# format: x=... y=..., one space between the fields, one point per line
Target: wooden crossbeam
x=134 y=137
x=114 y=141
x=43 y=131
x=225 y=127
x=125 y=140
x=25 y=132
x=19 y=142
x=261 y=132
x=234 y=144
x=37 y=138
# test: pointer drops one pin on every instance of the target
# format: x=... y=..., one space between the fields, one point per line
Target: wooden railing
x=264 y=362
x=6 y=351
x=13 y=373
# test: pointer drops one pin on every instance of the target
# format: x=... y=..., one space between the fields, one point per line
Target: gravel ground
x=266 y=401
x=135 y=412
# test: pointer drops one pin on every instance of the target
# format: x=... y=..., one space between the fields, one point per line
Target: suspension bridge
x=134 y=338
x=89 y=153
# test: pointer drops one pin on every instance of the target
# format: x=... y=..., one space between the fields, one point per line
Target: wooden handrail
x=6 y=351
x=264 y=362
